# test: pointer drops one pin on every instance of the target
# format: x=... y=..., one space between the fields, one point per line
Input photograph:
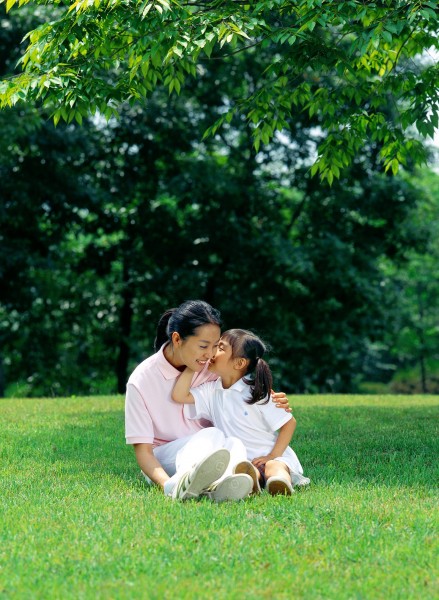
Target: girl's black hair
x=185 y=319
x=245 y=344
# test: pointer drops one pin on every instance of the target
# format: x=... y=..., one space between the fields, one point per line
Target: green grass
x=77 y=521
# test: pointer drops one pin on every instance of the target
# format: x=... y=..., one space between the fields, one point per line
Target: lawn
x=77 y=520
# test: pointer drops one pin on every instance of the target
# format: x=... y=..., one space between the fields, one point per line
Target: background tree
x=44 y=196
x=412 y=338
x=106 y=224
x=118 y=220
x=353 y=63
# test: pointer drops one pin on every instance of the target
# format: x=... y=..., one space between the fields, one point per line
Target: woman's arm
x=149 y=464
x=182 y=388
x=283 y=441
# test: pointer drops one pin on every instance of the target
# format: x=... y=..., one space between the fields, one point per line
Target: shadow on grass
x=342 y=445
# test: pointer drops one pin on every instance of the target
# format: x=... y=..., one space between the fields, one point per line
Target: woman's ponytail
x=161 y=335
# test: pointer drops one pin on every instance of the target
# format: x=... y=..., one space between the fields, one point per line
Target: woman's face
x=196 y=350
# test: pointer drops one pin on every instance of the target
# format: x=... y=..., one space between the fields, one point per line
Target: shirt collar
x=165 y=367
x=239 y=386
x=242 y=388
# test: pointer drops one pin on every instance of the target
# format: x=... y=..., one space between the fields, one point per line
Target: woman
x=175 y=450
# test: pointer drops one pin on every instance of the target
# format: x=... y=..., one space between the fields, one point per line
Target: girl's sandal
x=248 y=468
x=277 y=485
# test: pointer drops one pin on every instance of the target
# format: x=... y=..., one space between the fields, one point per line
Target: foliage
x=413 y=337
x=76 y=519
x=106 y=225
x=357 y=69
x=421 y=378
x=207 y=225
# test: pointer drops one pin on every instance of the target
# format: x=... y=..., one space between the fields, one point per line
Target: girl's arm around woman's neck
x=182 y=388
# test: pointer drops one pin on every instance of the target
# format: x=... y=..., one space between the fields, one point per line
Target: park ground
x=78 y=521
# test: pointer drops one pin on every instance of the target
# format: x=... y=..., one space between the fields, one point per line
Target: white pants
x=181 y=455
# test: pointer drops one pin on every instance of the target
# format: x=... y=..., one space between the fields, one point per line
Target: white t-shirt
x=255 y=424
x=151 y=416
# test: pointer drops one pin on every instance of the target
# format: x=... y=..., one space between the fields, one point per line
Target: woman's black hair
x=245 y=344
x=185 y=319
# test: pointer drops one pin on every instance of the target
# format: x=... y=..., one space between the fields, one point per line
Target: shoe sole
x=234 y=487
x=247 y=468
x=277 y=487
x=206 y=472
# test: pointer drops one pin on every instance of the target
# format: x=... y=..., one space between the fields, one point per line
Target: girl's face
x=222 y=364
x=196 y=350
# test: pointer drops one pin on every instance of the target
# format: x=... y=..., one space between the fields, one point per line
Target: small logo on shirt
x=245 y=413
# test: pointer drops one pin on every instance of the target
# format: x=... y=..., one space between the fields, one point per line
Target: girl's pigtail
x=262 y=382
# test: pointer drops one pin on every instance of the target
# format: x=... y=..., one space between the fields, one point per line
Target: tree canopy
x=104 y=225
x=365 y=70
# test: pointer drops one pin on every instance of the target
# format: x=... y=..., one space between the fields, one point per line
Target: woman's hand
x=149 y=464
x=281 y=400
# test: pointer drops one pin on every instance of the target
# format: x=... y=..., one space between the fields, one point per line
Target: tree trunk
x=126 y=316
x=422 y=342
x=2 y=379
x=423 y=373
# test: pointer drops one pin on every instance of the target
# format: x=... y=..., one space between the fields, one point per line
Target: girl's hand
x=281 y=400
x=260 y=461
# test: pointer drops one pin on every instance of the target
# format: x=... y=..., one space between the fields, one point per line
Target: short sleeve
x=139 y=428
x=274 y=417
x=203 y=396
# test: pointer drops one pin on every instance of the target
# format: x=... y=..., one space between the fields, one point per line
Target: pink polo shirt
x=151 y=416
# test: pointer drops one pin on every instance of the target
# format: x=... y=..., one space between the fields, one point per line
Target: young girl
x=237 y=404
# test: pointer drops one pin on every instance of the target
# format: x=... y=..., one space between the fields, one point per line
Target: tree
x=357 y=66
x=412 y=337
x=50 y=301
x=119 y=220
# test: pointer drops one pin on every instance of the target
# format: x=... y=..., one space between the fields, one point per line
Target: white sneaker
x=211 y=468
x=278 y=485
x=248 y=468
x=233 y=487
